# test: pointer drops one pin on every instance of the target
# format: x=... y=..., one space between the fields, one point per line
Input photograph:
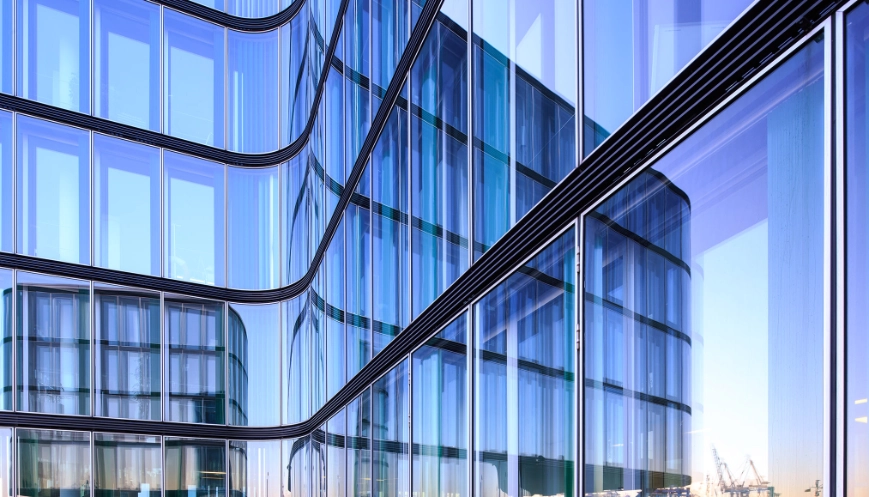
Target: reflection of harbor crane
x=749 y=483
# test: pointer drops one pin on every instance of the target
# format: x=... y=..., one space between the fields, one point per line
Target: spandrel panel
x=54 y=344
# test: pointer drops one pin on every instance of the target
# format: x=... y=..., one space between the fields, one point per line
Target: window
x=194 y=242
x=255 y=468
x=127 y=465
x=195 y=468
x=254 y=233
x=53 y=191
x=127 y=360
x=253 y=91
x=53 y=52
x=254 y=364
x=53 y=462
x=126 y=206
x=127 y=62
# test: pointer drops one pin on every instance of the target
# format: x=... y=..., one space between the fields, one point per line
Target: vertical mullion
x=840 y=311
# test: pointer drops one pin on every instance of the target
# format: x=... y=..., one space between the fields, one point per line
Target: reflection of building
x=238 y=360
x=639 y=397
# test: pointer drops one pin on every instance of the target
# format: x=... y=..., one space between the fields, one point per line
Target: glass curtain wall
x=53 y=462
x=127 y=465
x=195 y=468
x=255 y=468
x=254 y=364
x=253 y=228
x=704 y=307
x=253 y=91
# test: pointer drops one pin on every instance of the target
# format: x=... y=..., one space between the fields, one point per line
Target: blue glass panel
x=336 y=457
x=334 y=96
x=704 y=283
x=54 y=344
x=253 y=8
x=336 y=374
x=254 y=468
x=296 y=464
x=6 y=182
x=193 y=79
x=524 y=354
x=253 y=91
x=253 y=228
x=53 y=191
x=296 y=217
x=214 y=4
x=53 y=462
x=195 y=468
x=296 y=83
x=193 y=217
x=358 y=287
x=357 y=119
x=254 y=364
x=6 y=332
x=126 y=206
x=6 y=48
x=389 y=37
x=391 y=433
x=195 y=363
x=53 y=52
x=127 y=62
x=359 y=446
x=317 y=342
x=127 y=358
x=440 y=418
x=632 y=49
x=297 y=359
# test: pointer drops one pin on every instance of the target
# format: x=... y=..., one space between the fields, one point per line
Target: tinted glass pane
x=252 y=245
x=6 y=182
x=53 y=344
x=53 y=48
x=296 y=467
x=439 y=165
x=704 y=283
x=253 y=91
x=252 y=8
x=255 y=468
x=296 y=77
x=857 y=246
x=296 y=208
x=524 y=334
x=193 y=195
x=359 y=446
x=193 y=79
x=196 y=355
x=632 y=49
x=53 y=191
x=440 y=457
x=297 y=360
x=6 y=49
x=6 y=486
x=127 y=62
x=334 y=96
x=127 y=465
x=53 y=462
x=195 y=468
x=126 y=206
x=127 y=360
x=6 y=350
x=336 y=457
x=391 y=433
x=389 y=32
x=254 y=364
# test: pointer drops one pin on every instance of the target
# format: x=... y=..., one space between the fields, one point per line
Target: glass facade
x=306 y=288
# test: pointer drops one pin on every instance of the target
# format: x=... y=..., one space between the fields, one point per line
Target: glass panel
x=6 y=182
x=195 y=468
x=439 y=165
x=296 y=81
x=389 y=37
x=126 y=206
x=318 y=462
x=6 y=351
x=6 y=48
x=334 y=96
x=297 y=332
x=391 y=450
x=53 y=191
x=254 y=365
x=196 y=355
x=525 y=100
x=127 y=62
x=703 y=285
x=53 y=52
x=389 y=172
x=632 y=49
x=524 y=354
x=857 y=246
x=214 y=4
x=295 y=206
x=253 y=228
x=127 y=465
x=255 y=469
x=193 y=79
x=336 y=457
x=193 y=193
x=6 y=477
x=128 y=352
x=440 y=447
x=252 y=8
x=317 y=343
x=53 y=463
x=359 y=446
x=296 y=463
x=54 y=344
x=253 y=91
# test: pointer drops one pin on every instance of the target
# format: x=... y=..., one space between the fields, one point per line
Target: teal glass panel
x=704 y=284
x=440 y=414
x=253 y=91
x=127 y=465
x=54 y=52
x=53 y=191
x=195 y=361
x=127 y=62
x=253 y=228
x=524 y=353
x=254 y=364
x=127 y=359
x=53 y=462
x=193 y=79
x=195 y=468
x=53 y=344
x=193 y=197
x=126 y=206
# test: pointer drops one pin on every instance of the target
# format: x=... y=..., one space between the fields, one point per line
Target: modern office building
x=434 y=248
